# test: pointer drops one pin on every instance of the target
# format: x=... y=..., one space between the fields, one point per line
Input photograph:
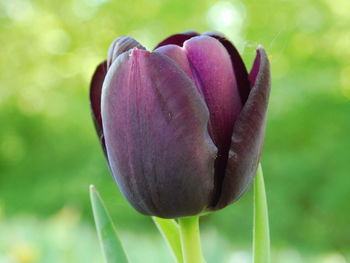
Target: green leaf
x=112 y=248
x=171 y=233
x=261 y=232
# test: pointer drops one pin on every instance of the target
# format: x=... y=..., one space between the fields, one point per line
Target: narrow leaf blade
x=112 y=248
x=171 y=233
x=261 y=232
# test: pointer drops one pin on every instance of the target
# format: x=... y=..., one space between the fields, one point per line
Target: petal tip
x=261 y=50
x=120 y=45
x=260 y=47
x=260 y=66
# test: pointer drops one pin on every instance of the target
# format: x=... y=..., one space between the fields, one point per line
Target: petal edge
x=248 y=136
x=95 y=100
x=178 y=39
x=238 y=65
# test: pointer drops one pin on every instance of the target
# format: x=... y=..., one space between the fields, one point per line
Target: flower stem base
x=190 y=239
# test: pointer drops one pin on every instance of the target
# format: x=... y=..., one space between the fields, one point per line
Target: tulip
x=182 y=126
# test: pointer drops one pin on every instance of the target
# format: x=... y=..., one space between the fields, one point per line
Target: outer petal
x=119 y=46
x=155 y=125
x=178 y=39
x=238 y=65
x=213 y=71
x=95 y=100
x=248 y=135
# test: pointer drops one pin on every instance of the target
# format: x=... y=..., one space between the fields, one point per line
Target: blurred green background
x=49 y=153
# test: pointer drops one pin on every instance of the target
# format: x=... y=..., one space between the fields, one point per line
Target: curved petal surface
x=155 y=125
x=238 y=65
x=95 y=100
x=119 y=46
x=212 y=69
x=248 y=135
x=178 y=55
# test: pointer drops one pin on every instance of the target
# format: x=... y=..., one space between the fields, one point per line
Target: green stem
x=261 y=233
x=190 y=239
x=170 y=231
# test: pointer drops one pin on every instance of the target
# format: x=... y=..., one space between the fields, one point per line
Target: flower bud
x=182 y=126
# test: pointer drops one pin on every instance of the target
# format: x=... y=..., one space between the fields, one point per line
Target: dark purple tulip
x=182 y=126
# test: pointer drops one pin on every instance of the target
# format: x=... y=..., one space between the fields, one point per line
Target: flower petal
x=178 y=55
x=255 y=69
x=248 y=135
x=213 y=71
x=119 y=46
x=95 y=100
x=238 y=65
x=155 y=125
x=178 y=39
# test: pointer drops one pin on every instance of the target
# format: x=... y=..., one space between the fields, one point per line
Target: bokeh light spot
x=18 y=10
x=227 y=17
x=226 y=14
x=56 y=41
x=333 y=258
x=310 y=19
x=24 y=253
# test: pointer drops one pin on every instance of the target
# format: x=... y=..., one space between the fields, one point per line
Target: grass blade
x=261 y=232
x=112 y=248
